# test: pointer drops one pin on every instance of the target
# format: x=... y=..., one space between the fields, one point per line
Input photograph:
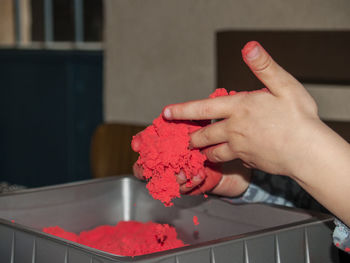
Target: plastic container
x=226 y=233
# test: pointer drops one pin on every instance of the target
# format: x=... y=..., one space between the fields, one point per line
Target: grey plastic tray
x=226 y=233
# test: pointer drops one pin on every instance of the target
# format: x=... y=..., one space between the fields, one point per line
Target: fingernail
x=135 y=143
x=197 y=178
x=251 y=50
x=167 y=113
x=181 y=176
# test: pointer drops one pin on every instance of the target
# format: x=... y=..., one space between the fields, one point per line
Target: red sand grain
x=127 y=238
x=195 y=220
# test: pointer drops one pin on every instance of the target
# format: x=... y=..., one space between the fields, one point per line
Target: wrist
x=318 y=149
x=324 y=171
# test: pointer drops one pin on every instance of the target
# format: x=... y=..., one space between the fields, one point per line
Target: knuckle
x=214 y=156
x=241 y=155
x=184 y=189
x=313 y=107
x=206 y=135
x=263 y=64
x=245 y=108
x=205 y=110
x=290 y=90
x=231 y=128
x=176 y=111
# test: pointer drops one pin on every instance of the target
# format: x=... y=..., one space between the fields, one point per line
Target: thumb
x=274 y=77
x=136 y=143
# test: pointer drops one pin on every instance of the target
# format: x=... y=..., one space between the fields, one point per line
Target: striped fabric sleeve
x=281 y=190
x=341 y=236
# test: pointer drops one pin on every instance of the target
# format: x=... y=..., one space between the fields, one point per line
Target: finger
x=247 y=165
x=275 y=78
x=196 y=180
x=138 y=171
x=235 y=181
x=136 y=143
x=209 y=135
x=213 y=174
x=181 y=178
x=207 y=109
x=220 y=153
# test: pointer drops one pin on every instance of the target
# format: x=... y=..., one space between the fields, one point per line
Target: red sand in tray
x=127 y=238
x=163 y=149
x=195 y=220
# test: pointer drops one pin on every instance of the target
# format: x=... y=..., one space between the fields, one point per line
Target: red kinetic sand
x=164 y=151
x=195 y=220
x=130 y=238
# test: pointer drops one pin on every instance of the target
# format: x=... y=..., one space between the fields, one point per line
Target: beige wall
x=162 y=51
x=7 y=25
x=7 y=35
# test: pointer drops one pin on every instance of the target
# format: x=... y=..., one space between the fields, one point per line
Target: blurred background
x=79 y=78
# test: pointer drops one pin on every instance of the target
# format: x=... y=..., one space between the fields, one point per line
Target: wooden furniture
x=50 y=105
x=111 y=152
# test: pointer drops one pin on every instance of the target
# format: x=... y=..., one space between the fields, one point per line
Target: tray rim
x=316 y=218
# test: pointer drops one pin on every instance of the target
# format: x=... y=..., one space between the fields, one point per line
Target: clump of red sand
x=195 y=220
x=127 y=238
x=164 y=151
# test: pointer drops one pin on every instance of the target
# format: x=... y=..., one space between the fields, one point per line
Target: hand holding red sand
x=254 y=123
x=278 y=132
x=234 y=182
x=164 y=152
x=172 y=168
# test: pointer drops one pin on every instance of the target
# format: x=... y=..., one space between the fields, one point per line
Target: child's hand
x=267 y=130
x=278 y=131
x=235 y=179
x=234 y=182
